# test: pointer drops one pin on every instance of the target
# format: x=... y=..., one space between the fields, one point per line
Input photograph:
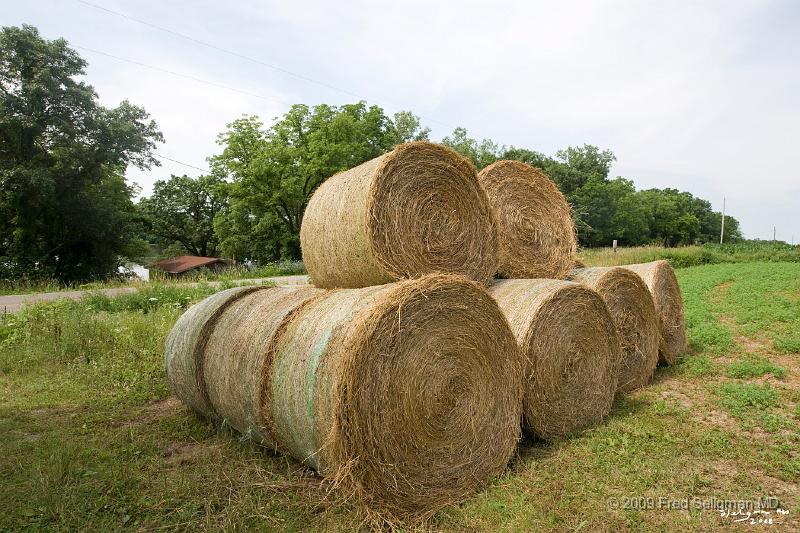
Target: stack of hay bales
x=633 y=311
x=660 y=279
x=415 y=210
x=407 y=393
x=400 y=375
x=570 y=349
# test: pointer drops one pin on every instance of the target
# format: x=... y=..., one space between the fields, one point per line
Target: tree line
x=66 y=211
x=262 y=180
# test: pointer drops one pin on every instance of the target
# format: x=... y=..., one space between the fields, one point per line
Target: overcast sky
x=699 y=96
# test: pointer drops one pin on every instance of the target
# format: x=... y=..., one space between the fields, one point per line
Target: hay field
x=95 y=440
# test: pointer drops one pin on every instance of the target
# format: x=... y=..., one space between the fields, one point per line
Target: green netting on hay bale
x=185 y=346
x=572 y=352
x=415 y=210
x=660 y=279
x=300 y=350
x=407 y=394
x=236 y=365
x=634 y=313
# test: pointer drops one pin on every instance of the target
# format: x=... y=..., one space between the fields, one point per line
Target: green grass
x=686 y=256
x=752 y=405
x=741 y=398
x=268 y=270
x=94 y=441
x=787 y=344
x=754 y=367
x=232 y=275
x=26 y=286
x=697 y=366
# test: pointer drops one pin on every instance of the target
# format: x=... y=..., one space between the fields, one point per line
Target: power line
x=180 y=75
x=205 y=170
x=242 y=56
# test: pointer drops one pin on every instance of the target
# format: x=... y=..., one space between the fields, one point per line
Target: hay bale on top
x=571 y=348
x=415 y=210
x=185 y=346
x=535 y=228
x=408 y=394
x=660 y=279
x=236 y=365
x=634 y=313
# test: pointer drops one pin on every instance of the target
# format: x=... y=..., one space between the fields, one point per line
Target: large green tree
x=482 y=153
x=182 y=210
x=273 y=171
x=66 y=211
x=606 y=209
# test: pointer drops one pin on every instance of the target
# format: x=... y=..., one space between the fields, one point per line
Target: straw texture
x=535 y=228
x=571 y=348
x=185 y=347
x=660 y=279
x=634 y=313
x=415 y=210
x=236 y=365
x=408 y=394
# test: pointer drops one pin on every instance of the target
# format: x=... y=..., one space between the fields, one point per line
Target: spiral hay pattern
x=660 y=279
x=634 y=313
x=571 y=348
x=535 y=228
x=415 y=210
x=409 y=394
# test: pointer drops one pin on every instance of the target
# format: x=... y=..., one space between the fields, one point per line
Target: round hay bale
x=660 y=279
x=415 y=210
x=185 y=346
x=535 y=228
x=634 y=314
x=571 y=348
x=408 y=394
x=236 y=366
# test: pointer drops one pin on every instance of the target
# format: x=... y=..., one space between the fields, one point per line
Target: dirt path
x=14 y=302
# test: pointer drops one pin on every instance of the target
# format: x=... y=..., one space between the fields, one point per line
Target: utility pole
x=773 y=233
x=722 y=227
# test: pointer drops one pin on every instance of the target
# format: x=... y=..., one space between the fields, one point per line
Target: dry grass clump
x=660 y=279
x=535 y=228
x=634 y=313
x=408 y=395
x=571 y=348
x=415 y=210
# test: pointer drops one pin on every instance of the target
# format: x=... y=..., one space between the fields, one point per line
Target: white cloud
x=698 y=96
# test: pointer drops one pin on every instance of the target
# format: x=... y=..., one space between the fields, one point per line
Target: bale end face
x=409 y=394
x=536 y=233
x=572 y=351
x=416 y=210
x=438 y=413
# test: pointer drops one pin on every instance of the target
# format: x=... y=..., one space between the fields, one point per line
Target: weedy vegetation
x=94 y=439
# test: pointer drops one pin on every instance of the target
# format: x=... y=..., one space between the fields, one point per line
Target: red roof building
x=185 y=263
